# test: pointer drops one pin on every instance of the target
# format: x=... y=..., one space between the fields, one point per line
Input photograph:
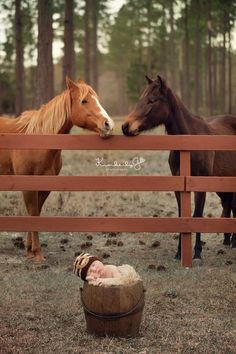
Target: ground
x=186 y=310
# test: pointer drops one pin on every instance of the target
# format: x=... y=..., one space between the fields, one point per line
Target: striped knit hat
x=82 y=264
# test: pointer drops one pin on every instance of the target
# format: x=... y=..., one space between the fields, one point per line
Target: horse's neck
x=182 y=121
x=66 y=128
x=9 y=125
x=51 y=118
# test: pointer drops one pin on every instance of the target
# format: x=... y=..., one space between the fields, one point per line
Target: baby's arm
x=109 y=281
x=111 y=275
x=105 y=281
x=90 y=278
x=95 y=280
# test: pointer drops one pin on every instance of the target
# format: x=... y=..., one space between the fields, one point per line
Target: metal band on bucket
x=112 y=316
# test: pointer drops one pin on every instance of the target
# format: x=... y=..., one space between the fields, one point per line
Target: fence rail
x=118 y=183
x=116 y=224
x=185 y=184
x=92 y=183
x=119 y=142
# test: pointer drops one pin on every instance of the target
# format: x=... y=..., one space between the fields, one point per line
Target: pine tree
x=45 y=61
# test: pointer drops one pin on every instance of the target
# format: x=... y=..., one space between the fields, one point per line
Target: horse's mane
x=188 y=119
x=178 y=105
x=51 y=117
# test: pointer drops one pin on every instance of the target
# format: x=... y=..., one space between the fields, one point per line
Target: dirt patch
x=186 y=310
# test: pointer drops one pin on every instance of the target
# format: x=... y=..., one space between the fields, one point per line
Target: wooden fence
x=185 y=184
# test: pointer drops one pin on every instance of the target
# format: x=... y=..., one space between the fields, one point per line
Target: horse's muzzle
x=127 y=131
x=107 y=129
x=105 y=133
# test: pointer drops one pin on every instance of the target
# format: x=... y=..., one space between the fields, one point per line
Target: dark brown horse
x=159 y=105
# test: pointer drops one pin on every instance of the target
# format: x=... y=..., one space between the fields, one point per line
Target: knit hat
x=82 y=264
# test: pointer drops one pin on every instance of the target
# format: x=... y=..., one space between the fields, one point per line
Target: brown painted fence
x=185 y=184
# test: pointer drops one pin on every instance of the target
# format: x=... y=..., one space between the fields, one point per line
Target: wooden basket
x=115 y=310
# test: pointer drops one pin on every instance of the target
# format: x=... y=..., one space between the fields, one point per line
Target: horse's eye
x=152 y=99
x=84 y=101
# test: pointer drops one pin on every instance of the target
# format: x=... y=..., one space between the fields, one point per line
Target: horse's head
x=86 y=110
x=151 y=110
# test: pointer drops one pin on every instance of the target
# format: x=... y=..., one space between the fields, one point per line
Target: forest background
x=112 y=45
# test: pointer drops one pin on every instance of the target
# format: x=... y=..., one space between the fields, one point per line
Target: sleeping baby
x=89 y=268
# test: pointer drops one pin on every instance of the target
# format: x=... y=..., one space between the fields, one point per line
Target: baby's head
x=87 y=265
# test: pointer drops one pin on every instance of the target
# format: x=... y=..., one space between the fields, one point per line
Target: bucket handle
x=112 y=316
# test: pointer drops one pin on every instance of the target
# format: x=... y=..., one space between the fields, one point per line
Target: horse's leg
x=33 y=245
x=42 y=196
x=178 y=253
x=199 y=199
x=29 y=253
x=226 y=202
x=30 y=199
x=174 y=163
x=234 y=215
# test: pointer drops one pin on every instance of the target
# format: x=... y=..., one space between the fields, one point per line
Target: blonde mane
x=51 y=117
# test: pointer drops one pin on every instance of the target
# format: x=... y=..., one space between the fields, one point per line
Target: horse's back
x=9 y=125
x=224 y=124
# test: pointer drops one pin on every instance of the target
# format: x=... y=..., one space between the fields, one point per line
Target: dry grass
x=186 y=310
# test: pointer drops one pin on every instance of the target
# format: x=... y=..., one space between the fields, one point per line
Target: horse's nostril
x=107 y=125
x=125 y=128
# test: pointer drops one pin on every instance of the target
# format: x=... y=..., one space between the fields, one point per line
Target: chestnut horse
x=77 y=105
x=159 y=105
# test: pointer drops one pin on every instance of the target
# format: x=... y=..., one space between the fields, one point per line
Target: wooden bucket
x=115 y=310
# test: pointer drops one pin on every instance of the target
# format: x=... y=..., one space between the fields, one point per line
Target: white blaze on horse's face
x=107 y=129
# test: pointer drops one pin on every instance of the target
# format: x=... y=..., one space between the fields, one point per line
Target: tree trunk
x=19 y=69
x=223 y=66
x=140 y=56
x=149 y=35
x=197 y=57
x=173 y=64
x=202 y=75
x=229 y=73
x=209 y=59
x=94 y=59
x=69 y=53
x=87 y=54
x=187 y=96
x=163 y=44
x=214 y=78
x=45 y=61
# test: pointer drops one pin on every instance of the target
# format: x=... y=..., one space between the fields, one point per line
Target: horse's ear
x=149 y=81
x=162 y=83
x=80 y=81
x=70 y=84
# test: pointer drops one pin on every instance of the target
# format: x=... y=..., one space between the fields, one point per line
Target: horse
x=159 y=105
x=77 y=105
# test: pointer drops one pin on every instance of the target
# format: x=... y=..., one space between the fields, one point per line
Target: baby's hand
x=90 y=278
x=94 y=280
x=107 y=281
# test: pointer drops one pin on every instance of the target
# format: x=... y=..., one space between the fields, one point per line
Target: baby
x=89 y=268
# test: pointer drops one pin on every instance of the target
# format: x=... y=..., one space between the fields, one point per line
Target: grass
x=186 y=310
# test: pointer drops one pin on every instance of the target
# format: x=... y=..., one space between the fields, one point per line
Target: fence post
x=185 y=210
